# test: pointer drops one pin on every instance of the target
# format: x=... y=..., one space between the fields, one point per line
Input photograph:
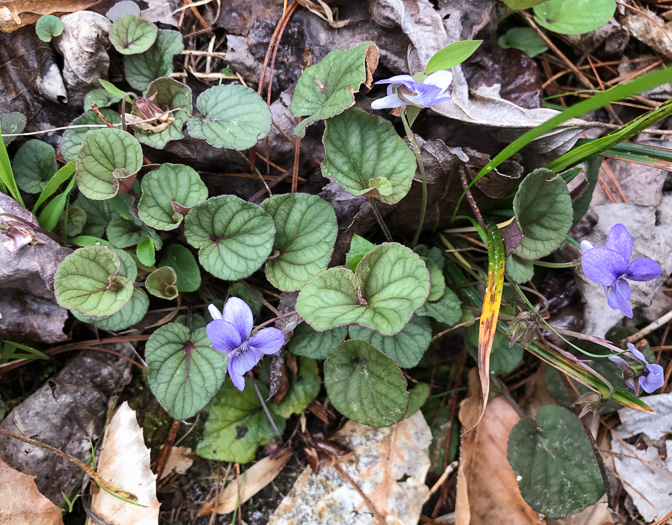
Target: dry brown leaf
x=124 y=462
x=21 y=503
x=381 y=458
x=252 y=481
x=179 y=460
x=15 y=14
x=487 y=490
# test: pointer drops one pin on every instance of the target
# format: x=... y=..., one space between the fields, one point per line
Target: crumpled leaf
x=14 y=15
x=21 y=502
x=124 y=462
x=380 y=458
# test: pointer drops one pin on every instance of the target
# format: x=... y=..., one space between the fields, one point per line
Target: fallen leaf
x=381 y=458
x=15 y=14
x=179 y=460
x=487 y=490
x=251 y=481
x=21 y=503
x=124 y=462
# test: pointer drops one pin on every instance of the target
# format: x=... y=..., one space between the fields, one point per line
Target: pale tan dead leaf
x=251 y=481
x=380 y=458
x=487 y=490
x=179 y=460
x=21 y=503
x=124 y=462
x=596 y=514
x=18 y=13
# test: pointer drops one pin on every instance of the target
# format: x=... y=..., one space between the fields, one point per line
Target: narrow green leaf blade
x=452 y=55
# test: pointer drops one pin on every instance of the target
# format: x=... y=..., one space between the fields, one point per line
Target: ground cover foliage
x=304 y=238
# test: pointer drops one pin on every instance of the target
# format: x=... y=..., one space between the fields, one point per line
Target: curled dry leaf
x=487 y=490
x=251 y=481
x=15 y=14
x=124 y=462
x=179 y=460
x=21 y=503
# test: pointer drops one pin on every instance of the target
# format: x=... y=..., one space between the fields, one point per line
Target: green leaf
x=156 y=62
x=11 y=124
x=127 y=266
x=361 y=148
x=146 y=252
x=237 y=425
x=74 y=136
x=34 y=164
x=123 y=233
x=170 y=95
x=184 y=263
x=100 y=97
x=434 y=253
x=503 y=359
x=447 y=310
x=168 y=193
x=365 y=385
x=7 y=181
x=316 y=345
x=582 y=203
x=327 y=88
x=131 y=314
x=518 y=5
x=54 y=183
x=114 y=90
x=389 y=284
x=524 y=38
x=197 y=321
x=554 y=463
x=406 y=348
x=359 y=247
x=131 y=35
x=234 y=237
x=108 y=156
x=98 y=215
x=51 y=213
x=571 y=17
x=234 y=117
x=88 y=281
x=246 y=294
x=47 y=27
x=303 y=388
x=518 y=270
x=306 y=231
x=76 y=220
x=183 y=371
x=436 y=279
x=452 y=55
x=543 y=209
x=416 y=398
x=161 y=283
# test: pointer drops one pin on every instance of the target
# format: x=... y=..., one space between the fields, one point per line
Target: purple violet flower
x=230 y=334
x=404 y=90
x=637 y=372
x=611 y=266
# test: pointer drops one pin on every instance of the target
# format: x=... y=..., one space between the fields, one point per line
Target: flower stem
x=381 y=221
x=263 y=404
x=570 y=264
x=421 y=167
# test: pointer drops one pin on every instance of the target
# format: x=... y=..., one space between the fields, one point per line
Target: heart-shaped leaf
x=306 y=231
x=100 y=97
x=518 y=270
x=316 y=345
x=161 y=283
x=88 y=281
x=327 y=88
x=131 y=35
x=132 y=313
x=183 y=371
x=365 y=385
x=108 y=156
x=234 y=237
x=184 y=263
x=47 y=27
x=123 y=233
x=146 y=252
x=524 y=38
x=170 y=95
x=544 y=213
x=554 y=463
x=406 y=348
x=11 y=124
x=234 y=117
x=34 y=164
x=73 y=137
x=571 y=17
x=362 y=150
x=447 y=310
x=237 y=424
x=156 y=62
x=436 y=278
x=304 y=385
x=98 y=215
x=389 y=284
x=165 y=187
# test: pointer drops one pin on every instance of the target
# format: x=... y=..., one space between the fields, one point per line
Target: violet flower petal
x=267 y=341
x=399 y=79
x=390 y=101
x=603 y=266
x=441 y=78
x=239 y=315
x=643 y=269
x=224 y=336
x=620 y=241
x=426 y=95
x=619 y=362
x=637 y=354
x=214 y=312
x=240 y=362
x=653 y=380
x=618 y=297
